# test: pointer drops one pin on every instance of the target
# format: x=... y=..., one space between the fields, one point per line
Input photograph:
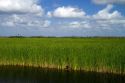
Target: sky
x=62 y=17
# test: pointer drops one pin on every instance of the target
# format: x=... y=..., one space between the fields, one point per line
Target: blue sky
x=86 y=5
x=62 y=17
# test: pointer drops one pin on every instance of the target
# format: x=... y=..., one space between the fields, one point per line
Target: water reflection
x=16 y=74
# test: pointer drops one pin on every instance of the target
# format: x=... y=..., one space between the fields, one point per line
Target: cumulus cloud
x=11 y=20
x=8 y=23
x=107 y=14
x=109 y=1
x=67 y=12
x=24 y=20
x=79 y=24
x=104 y=24
x=106 y=19
x=111 y=22
x=38 y=24
x=20 y=6
x=103 y=19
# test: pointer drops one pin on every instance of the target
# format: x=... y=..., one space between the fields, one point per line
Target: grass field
x=90 y=54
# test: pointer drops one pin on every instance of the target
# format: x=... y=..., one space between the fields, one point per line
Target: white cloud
x=8 y=23
x=109 y=1
x=111 y=22
x=47 y=23
x=20 y=6
x=38 y=23
x=67 y=12
x=107 y=14
x=12 y=20
x=106 y=19
x=75 y=24
x=49 y=14
x=79 y=24
x=24 y=20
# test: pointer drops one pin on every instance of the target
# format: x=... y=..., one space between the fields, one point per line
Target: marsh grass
x=90 y=54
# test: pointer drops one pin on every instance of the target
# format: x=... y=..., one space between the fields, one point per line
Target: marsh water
x=10 y=74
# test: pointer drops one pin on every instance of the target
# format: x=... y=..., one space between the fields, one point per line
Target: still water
x=9 y=74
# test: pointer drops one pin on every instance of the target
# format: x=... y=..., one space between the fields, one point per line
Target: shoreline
x=105 y=71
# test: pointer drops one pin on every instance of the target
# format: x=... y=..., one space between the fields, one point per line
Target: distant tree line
x=61 y=37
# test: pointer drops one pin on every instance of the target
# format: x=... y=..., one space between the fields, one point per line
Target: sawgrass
x=90 y=54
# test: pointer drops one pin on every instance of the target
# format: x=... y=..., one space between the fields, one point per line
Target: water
x=10 y=74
